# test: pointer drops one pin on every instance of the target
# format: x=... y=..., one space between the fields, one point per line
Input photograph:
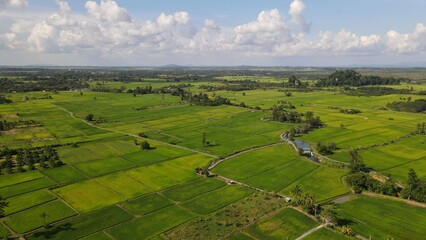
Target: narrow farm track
x=311 y=231
x=132 y=135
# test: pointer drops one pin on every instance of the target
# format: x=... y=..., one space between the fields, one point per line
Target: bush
x=89 y=117
x=145 y=145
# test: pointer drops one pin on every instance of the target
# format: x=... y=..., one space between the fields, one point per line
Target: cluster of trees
x=360 y=179
x=416 y=188
x=415 y=106
x=421 y=128
x=326 y=149
x=40 y=84
x=3 y=205
x=4 y=100
x=141 y=91
x=8 y=125
x=350 y=111
x=308 y=202
x=279 y=114
x=353 y=78
x=374 y=91
x=204 y=100
x=44 y=156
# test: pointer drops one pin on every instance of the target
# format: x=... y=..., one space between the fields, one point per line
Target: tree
x=413 y=180
x=296 y=191
x=89 y=117
x=204 y=139
x=145 y=145
x=3 y=205
x=329 y=214
x=355 y=162
x=44 y=215
x=345 y=230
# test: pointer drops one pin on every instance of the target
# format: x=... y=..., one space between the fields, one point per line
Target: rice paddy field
x=108 y=188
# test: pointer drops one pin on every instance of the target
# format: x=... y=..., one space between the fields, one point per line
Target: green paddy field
x=108 y=188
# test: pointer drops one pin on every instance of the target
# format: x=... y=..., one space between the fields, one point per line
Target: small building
x=305 y=148
x=231 y=182
x=287 y=199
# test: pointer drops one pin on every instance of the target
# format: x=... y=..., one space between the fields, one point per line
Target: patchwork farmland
x=210 y=171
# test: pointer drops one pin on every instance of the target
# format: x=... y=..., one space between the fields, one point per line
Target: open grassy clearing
x=160 y=153
x=25 y=187
x=32 y=218
x=11 y=179
x=280 y=177
x=401 y=172
x=4 y=232
x=151 y=225
x=94 y=194
x=240 y=236
x=163 y=175
x=211 y=201
x=123 y=184
x=287 y=224
x=64 y=174
x=323 y=182
x=103 y=166
x=383 y=218
x=325 y=234
x=85 y=224
x=97 y=236
x=228 y=220
x=192 y=189
x=28 y=200
x=147 y=204
x=255 y=162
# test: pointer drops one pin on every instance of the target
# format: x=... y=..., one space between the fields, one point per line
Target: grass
x=160 y=153
x=325 y=234
x=84 y=225
x=4 y=233
x=214 y=200
x=28 y=200
x=255 y=162
x=147 y=204
x=11 y=179
x=104 y=166
x=167 y=174
x=151 y=225
x=97 y=236
x=240 y=236
x=32 y=218
x=228 y=220
x=383 y=218
x=25 y=187
x=287 y=224
x=280 y=177
x=324 y=183
x=64 y=174
x=192 y=189
x=123 y=184
x=94 y=194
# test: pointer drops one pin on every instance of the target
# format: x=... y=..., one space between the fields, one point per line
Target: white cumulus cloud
x=13 y=3
x=297 y=7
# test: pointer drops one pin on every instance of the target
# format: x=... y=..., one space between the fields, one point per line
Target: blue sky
x=220 y=32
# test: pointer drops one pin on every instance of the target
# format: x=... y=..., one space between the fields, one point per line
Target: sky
x=213 y=33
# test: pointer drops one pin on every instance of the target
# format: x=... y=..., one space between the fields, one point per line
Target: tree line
x=9 y=125
x=353 y=78
x=49 y=84
x=415 y=106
